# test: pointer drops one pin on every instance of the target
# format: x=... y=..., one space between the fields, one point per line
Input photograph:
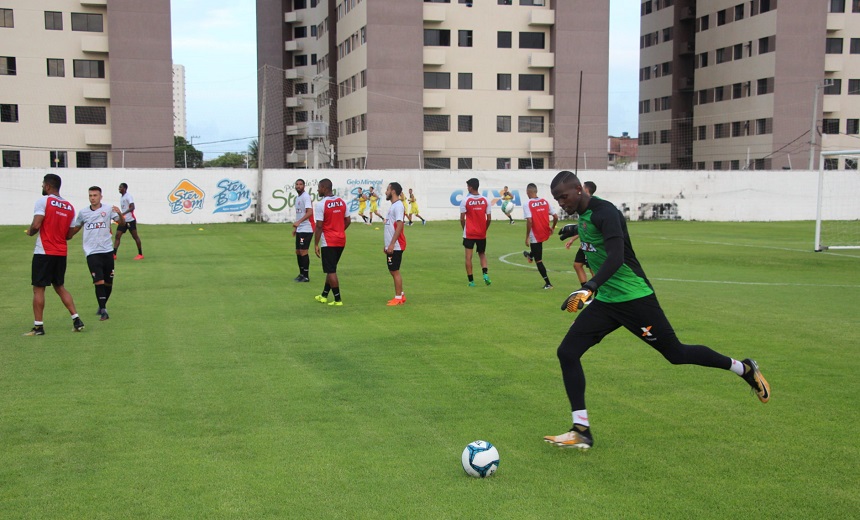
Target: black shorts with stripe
x=101 y=267
x=330 y=256
x=48 y=270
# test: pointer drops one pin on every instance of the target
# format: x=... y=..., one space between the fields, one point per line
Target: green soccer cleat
x=320 y=298
x=335 y=304
x=487 y=279
x=471 y=284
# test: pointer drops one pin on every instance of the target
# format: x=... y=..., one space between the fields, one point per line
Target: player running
x=52 y=218
x=475 y=219
x=96 y=220
x=395 y=240
x=303 y=230
x=623 y=297
x=126 y=203
x=413 y=209
x=362 y=205
x=537 y=212
x=374 y=206
x=330 y=238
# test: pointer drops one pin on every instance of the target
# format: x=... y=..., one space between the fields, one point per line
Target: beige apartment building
x=85 y=84
x=729 y=84
x=484 y=84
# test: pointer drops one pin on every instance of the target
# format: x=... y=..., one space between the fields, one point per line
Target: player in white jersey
x=395 y=240
x=303 y=230
x=126 y=203
x=96 y=220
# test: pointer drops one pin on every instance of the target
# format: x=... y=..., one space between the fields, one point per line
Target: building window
x=7 y=18
x=704 y=22
x=464 y=80
x=90 y=115
x=738 y=128
x=766 y=45
x=739 y=12
x=437 y=38
x=854 y=86
x=464 y=163
x=719 y=94
x=721 y=17
x=532 y=40
x=464 y=38
x=59 y=159
x=57 y=114
x=506 y=2
x=437 y=163
x=831 y=163
x=53 y=21
x=735 y=165
x=668 y=33
x=854 y=46
x=503 y=123
x=837 y=6
x=718 y=165
x=503 y=40
x=852 y=126
x=703 y=60
x=503 y=163
x=437 y=123
x=764 y=126
x=855 y=6
x=664 y=136
x=87 y=22
x=833 y=87
x=530 y=163
x=851 y=163
x=11 y=159
x=300 y=4
x=737 y=91
x=437 y=80
x=532 y=2
x=300 y=32
x=89 y=68
x=738 y=51
x=703 y=135
x=302 y=144
x=8 y=66
x=8 y=113
x=56 y=68
x=647 y=8
x=313 y=30
x=503 y=82
x=531 y=82
x=724 y=55
x=464 y=123
x=721 y=130
x=302 y=116
x=91 y=159
x=301 y=88
x=833 y=46
x=830 y=126
x=764 y=86
x=300 y=60
x=530 y=124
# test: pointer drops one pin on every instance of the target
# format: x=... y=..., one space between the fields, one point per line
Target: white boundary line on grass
x=504 y=259
x=759 y=247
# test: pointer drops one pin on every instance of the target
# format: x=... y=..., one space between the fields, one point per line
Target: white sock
x=399 y=296
x=580 y=417
x=74 y=315
x=38 y=323
x=737 y=367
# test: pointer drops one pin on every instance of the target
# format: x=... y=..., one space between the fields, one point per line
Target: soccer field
x=220 y=389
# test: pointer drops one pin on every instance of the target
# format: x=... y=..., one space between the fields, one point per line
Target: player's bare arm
x=317 y=234
x=35 y=225
x=528 y=231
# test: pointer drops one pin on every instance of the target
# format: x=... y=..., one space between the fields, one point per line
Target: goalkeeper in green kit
x=619 y=295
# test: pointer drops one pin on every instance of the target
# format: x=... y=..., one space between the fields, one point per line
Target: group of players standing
x=55 y=222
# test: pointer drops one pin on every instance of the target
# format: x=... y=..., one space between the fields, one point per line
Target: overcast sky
x=216 y=42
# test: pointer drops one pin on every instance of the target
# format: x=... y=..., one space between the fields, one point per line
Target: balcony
x=831 y=104
x=541 y=60
x=687 y=14
x=292 y=158
x=541 y=102
x=835 y=22
x=293 y=102
x=434 y=100
x=292 y=129
x=540 y=144
x=291 y=74
x=434 y=13
x=98 y=44
x=434 y=57
x=545 y=17
x=293 y=17
x=292 y=46
x=434 y=143
x=832 y=62
x=686 y=48
x=97 y=137
x=685 y=83
x=97 y=91
x=94 y=3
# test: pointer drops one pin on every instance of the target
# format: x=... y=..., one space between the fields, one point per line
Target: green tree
x=185 y=155
x=228 y=160
x=253 y=153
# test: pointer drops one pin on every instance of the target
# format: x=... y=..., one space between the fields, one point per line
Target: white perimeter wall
x=227 y=195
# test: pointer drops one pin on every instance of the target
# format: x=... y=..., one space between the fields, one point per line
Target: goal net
x=837 y=222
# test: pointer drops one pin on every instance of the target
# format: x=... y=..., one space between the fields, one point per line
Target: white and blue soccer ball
x=508 y=207
x=480 y=459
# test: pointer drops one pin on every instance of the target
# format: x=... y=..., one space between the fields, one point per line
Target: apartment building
x=730 y=85
x=85 y=84
x=454 y=84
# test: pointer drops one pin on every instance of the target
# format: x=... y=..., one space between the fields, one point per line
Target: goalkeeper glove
x=577 y=300
x=568 y=231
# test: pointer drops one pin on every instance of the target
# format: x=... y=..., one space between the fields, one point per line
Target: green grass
x=220 y=389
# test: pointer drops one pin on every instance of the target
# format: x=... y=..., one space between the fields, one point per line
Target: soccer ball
x=508 y=207
x=480 y=459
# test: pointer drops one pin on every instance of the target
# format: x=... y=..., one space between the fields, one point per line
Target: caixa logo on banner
x=233 y=197
x=494 y=196
x=185 y=197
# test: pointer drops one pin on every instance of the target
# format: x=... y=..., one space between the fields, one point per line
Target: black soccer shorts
x=303 y=241
x=479 y=244
x=330 y=256
x=48 y=270
x=394 y=260
x=101 y=266
x=536 y=251
x=128 y=226
x=580 y=258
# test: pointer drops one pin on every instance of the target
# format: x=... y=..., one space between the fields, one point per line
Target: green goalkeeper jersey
x=601 y=221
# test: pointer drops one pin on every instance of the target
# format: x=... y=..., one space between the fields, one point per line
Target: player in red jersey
x=537 y=211
x=52 y=218
x=330 y=238
x=475 y=218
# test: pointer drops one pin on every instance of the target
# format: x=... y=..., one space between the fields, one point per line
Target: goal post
x=837 y=215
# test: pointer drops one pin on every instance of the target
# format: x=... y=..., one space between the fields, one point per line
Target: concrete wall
x=227 y=195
